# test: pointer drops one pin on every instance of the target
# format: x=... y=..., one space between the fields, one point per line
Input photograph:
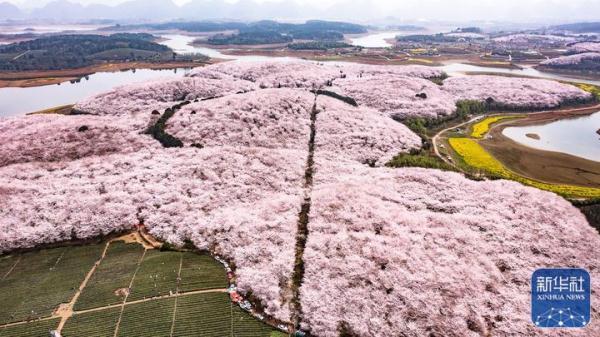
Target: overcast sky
x=452 y=10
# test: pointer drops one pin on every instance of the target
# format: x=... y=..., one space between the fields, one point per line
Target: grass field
x=476 y=157
x=34 y=284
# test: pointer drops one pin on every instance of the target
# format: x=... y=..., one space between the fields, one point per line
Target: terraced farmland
x=126 y=290
x=34 y=329
x=114 y=273
x=36 y=282
x=99 y=323
x=157 y=275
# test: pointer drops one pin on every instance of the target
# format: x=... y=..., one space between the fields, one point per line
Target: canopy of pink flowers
x=397 y=95
x=48 y=138
x=572 y=59
x=514 y=91
x=426 y=253
x=585 y=47
x=532 y=38
x=390 y=251
x=304 y=74
x=139 y=100
x=280 y=118
x=241 y=203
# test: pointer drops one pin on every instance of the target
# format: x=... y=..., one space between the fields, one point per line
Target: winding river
x=574 y=136
x=18 y=101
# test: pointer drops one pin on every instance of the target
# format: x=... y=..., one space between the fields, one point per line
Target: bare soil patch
x=546 y=166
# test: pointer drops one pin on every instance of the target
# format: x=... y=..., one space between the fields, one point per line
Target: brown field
x=60 y=110
x=547 y=166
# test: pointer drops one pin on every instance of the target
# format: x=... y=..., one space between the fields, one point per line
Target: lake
x=457 y=69
x=182 y=44
x=574 y=136
x=18 y=101
x=375 y=40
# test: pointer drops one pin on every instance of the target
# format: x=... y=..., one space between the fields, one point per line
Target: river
x=18 y=101
x=574 y=136
x=375 y=40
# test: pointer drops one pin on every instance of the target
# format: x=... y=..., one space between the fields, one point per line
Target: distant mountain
x=162 y=10
x=146 y=9
x=9 y=11
x=581 y=27
x=60 y=10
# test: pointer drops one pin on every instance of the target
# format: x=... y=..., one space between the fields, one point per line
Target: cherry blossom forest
x=270 y=164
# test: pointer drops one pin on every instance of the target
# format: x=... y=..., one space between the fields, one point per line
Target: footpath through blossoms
x=278 y=168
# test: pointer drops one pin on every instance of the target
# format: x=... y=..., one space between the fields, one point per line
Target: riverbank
x=27 y=79
x=539 y=165
x=584 y=75
x=59 y=110
x=546 y=166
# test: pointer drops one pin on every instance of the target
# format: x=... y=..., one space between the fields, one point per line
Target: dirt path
x=21 y=55
x=176 y=292
x=303 y=218
x=112 y=306
x=66 y=311
x=128 y=292
x=532 y=117
x=11 y=268
x=437 y=136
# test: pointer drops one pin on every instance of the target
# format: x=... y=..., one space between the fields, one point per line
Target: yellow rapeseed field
x=481 y=128
x=594 y=90
x=476 y=156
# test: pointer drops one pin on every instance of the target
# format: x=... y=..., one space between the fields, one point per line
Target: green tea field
x=119 y=289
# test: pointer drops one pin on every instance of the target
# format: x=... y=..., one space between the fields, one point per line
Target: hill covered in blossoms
x=279 y=169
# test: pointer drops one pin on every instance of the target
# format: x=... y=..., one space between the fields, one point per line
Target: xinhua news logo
x=560 y=298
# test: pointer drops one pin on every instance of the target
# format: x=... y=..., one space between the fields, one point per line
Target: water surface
x=182 y=44
x=574 y=136
x=458 y=69
x=375 y=40
x=18 y=101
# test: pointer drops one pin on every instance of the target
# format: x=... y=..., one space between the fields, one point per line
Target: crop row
x=100 y=323
x=207 y=315
x=201 y=272
x=114 y=273
x=156 y=276
x=32 y=329
x=39 y=281
x=147 y=319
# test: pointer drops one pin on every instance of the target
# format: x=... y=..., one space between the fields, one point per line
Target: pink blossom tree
x=514 y=92
x=424 y=252
x=398 y=96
